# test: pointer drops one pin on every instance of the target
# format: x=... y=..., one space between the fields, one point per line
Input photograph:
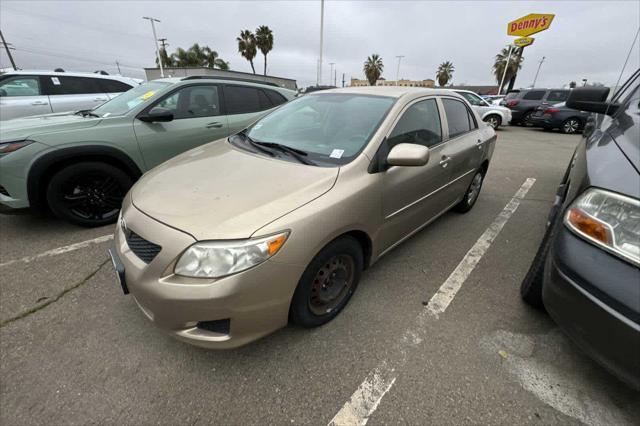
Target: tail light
x=512 y=103
x=551 y=111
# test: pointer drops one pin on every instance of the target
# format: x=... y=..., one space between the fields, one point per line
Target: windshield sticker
x=337 y=153
x=55 y=81
x=147 y=95
x=257 y=126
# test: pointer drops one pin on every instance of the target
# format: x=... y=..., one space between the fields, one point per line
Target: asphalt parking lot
x=75 y=350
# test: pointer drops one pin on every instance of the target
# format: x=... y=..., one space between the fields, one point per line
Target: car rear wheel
x=472 y=194
x=527 y=119
x=328 y=283
x=570 y=126
x=88 y=194
x=493 y=120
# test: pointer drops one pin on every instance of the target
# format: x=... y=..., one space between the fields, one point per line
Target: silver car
x=493 y=115
x=26 y=93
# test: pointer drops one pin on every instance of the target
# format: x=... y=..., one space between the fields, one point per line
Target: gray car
x=27 y=93
x=524 y=103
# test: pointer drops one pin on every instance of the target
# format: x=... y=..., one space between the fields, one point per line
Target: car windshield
x=125 y=102
x=330 y=127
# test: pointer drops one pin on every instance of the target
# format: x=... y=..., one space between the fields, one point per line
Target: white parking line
x=379 y=381
x=60 y=250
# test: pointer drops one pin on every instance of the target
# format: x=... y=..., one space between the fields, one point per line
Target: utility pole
x=118 y=65
x=536 y=77
x=335 y=77
x=319 y=76
x=331 y=64
x=155 y=40
x=506 y=66
x=7 y=47
x=163 y=43
x=342 y=79
x=398 y=70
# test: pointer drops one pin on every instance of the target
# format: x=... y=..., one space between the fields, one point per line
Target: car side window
x=472 y=98
x=113 y=86
x=458 y=117
x=60 y=85
x=244 y=100
x=419 y=124
x=556 y=96
x=193 y=102
x=534 y=95
x=20 y=86
x=275 y=97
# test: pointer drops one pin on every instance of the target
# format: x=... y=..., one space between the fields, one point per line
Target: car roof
x=390 y=91
x=74 y=74
x=176 y=80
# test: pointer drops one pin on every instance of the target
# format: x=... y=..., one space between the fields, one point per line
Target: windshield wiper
x=296 y=153
x=85 y=112
x=255 y=144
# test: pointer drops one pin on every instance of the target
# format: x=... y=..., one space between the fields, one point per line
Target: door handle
x=39 y=103
x=215 y=124
x=444 y=162
x=99 y=99
x=479 y=143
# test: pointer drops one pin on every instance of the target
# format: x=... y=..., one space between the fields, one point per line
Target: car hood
x=27 y=127
x=217 y=191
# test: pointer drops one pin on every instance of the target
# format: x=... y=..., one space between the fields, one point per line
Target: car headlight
x=608 y=220
x=11 y=146
x=214 y=259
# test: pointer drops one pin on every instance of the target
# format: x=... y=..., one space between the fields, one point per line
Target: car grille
x=145 y=250
x=3 y=191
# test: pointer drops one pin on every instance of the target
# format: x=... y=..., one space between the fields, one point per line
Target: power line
x=76 y=58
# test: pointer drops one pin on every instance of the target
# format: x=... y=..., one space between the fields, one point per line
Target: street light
x=319 y=75
x=155 y=40
x=398 y=70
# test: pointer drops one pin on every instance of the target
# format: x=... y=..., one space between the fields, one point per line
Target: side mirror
x=408 y=154
x=591 y=99
x=157 y=115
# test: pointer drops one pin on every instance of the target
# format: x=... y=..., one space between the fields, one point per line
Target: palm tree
x=212 y=59
x=500 y=63
x=264 y=42
x=247 y=46
x=195 y=56
x=444 y=73
x=373 y=68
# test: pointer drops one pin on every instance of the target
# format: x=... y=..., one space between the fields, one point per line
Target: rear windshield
x=511 y=95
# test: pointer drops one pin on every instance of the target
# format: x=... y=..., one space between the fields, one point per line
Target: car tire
x=570 y=126
x=531 y=286
x=493 y=120
x=88 y=194
x=472 y=193
x=328 y=283
x=526 y=119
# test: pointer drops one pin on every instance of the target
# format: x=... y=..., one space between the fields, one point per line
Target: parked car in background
x=559 y=116
x=586 y=273
x=493 y=115
x=525 y=102
x=26 y=93
x=493 y=99
x=80 y=165
x=224 y=244
x=510 y=95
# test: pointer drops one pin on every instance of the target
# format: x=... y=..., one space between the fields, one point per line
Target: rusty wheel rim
x=332 y=283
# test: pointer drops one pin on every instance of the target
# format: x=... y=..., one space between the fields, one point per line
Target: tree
x=373 y=68
x=247 y=47
x=264 y=42
x=195 y=56
x=444 y=73
x=500 y=62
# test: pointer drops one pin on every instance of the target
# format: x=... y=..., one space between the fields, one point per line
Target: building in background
x=407 y=83
x=154 y=74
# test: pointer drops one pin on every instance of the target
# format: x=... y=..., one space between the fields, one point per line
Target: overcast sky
x=587 y=39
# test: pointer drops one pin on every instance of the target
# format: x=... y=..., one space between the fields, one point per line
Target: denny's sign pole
x=524 y=27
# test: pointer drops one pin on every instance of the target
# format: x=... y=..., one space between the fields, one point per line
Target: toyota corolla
x=230 y=241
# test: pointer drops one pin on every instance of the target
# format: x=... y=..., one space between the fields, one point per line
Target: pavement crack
x=54 y=299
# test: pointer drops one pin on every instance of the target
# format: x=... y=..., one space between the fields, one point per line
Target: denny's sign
x=529 y=24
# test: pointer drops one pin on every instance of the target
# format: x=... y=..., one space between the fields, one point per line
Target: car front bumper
x=584 y=292
x=242 y=307
x=13 y=192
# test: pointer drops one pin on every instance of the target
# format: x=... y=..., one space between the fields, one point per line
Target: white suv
x=25 y=93
x=493 y=115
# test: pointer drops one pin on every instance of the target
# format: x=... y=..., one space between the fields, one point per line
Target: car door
x=412 y=196
x=22 y=96
x=69 y=93
x=244 y=105
x=464 y=148
x=197 y=119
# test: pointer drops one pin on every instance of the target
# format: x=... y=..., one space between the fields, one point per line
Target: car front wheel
x=328 y=283
x=88 y=194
